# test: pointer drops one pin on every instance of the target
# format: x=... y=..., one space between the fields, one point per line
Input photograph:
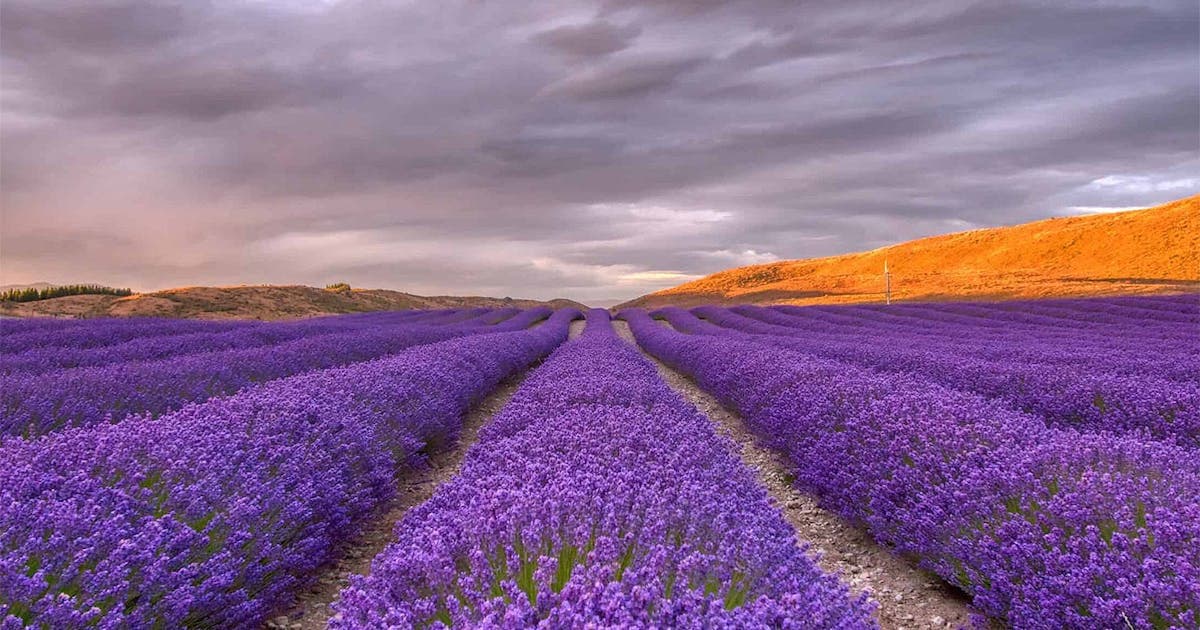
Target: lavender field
x=1036 y=463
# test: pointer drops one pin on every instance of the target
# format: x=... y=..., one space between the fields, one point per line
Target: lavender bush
x=35 y=404
x=1084 y=394
x=102 y=332
x=53 y=357
x=598 y=498
x=213 y=515
x=1126 y=354
x=1043 y=527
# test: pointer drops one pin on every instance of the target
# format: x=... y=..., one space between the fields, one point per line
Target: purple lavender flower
x=1043 y=527
x=214 y=514
x=598 y=497
x=35 y=404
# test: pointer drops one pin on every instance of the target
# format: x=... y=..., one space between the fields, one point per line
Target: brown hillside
x=253 y=302
x=1155 y=250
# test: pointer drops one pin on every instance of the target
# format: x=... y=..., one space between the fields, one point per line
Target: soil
x=907 y=596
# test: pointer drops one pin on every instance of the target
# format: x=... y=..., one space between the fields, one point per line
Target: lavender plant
x=149 y=348
x=213 y=515
x=598 y=498
x=35 y=404
x=101 y=332
x=1042 y=527
x=1083 y=395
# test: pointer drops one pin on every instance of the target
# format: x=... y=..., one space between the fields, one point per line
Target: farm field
x=1026 y=464
x=335 y=314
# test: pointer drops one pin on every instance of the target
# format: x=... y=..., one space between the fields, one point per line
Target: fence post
x=887 y=280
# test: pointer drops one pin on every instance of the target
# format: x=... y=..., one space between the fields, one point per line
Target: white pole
x=887 y=279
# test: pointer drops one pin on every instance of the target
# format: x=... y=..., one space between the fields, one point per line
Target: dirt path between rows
x=908 y=597
x=312 y=608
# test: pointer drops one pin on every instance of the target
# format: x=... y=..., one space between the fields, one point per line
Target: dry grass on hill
x=1156 y=250
x=252 y=302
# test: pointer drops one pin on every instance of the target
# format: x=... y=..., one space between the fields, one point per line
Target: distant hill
x=1156 y=250
x=266 y=302
x=35 y=285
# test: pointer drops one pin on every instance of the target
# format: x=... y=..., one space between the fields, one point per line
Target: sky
x=595 y=150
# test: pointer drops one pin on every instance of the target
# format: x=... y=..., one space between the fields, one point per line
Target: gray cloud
x=593 y=39
x=591 y=149
x=623 y=80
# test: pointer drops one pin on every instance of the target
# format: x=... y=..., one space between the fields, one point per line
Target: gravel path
x=908 y=597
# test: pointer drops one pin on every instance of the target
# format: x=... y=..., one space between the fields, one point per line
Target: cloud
x=1101 y=209
x=592 y=39
x=592 y=149
x=623 y=79
x=1145 y=184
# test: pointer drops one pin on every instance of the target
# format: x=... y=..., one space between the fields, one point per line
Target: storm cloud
x=594 y=150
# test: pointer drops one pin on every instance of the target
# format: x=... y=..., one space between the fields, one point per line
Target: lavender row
x=458 y=315
x=1127 y=389
x=41 y=403
x=1043 y=528
x=10 y=326
x=935 y=329
x=1133 y=357
x=1091 y=313
x=49 y=358
x=212 y=516
x=16 y=325
x=978 y=322
x=1099 y=309
x=1045 y=317
x=1078 y=397
x=1181 y=302
x=101 y=332
x=597 y=498
x=1130 y=357
x=973 y=320
x=96 y=333
x=1081 y=311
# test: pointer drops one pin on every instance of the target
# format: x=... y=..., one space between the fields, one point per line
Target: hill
x=254 y=302
x=1156 y=250
x=35 y=285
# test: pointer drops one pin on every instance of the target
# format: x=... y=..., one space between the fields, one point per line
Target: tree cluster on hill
x=33 y=295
